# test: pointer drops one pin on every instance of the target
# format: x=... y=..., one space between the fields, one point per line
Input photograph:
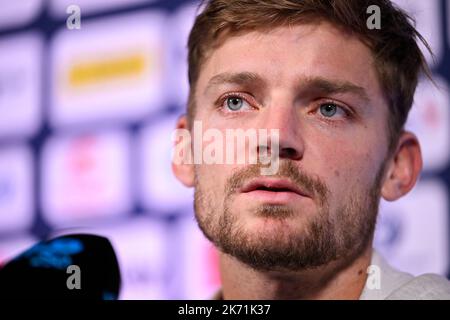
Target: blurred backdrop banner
x=87 y=111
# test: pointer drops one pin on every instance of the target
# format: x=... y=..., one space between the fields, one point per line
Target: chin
x=271 y=226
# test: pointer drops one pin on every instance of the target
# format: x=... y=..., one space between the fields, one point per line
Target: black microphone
x=74 y=266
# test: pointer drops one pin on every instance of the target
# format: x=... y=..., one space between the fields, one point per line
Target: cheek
x=345 y=164
x=212 y=179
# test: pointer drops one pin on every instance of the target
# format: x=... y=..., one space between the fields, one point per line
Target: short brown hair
x=398 y=58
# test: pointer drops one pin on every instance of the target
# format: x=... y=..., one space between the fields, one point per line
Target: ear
x=182 y=164
x=403 y=168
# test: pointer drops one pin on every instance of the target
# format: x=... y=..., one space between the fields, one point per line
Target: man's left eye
x=330 y=109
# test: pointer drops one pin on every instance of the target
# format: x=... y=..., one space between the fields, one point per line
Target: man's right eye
x=234 y=103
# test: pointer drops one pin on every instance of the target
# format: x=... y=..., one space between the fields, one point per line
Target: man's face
x=318 y=86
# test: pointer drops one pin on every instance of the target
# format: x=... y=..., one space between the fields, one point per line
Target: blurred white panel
x=59 y=7
x=16 y=189
x=139 y=244
x=159 y=189
x=20 y=84
x=17 y=13
x=12 y=247
x=448 y=23
x=199 y=263
x=430 y=120
x=180 y=25
x=412 y=233
x=111 y=69
x=427 y=16
x=86 y=177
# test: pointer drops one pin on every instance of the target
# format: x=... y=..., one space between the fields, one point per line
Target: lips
x=273 y=185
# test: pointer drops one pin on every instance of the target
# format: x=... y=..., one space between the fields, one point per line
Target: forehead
x=290 y=52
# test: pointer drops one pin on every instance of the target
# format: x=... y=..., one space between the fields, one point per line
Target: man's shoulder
x=424 y=287
x=397 y=285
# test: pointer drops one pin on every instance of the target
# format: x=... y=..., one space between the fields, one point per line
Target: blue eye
x=328 y=109
x=234 y=103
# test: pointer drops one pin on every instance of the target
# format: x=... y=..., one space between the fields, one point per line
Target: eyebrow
x=317 y=84
x=241 y=78
x=327 y=86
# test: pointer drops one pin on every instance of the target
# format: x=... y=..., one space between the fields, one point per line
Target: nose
x=285 y=119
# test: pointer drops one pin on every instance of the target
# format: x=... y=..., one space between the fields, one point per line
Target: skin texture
x=316 y=246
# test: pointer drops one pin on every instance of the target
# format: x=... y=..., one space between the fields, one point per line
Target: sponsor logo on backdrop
x=16 y=197
x=119 y=78
x=200 y=264
x=179 y=27
x=429 y=119
x=58 y=7
x=86 y=177
x=448 y=24
x=18 y=13
x=412 y=233
x=20 y=85
x=158 y=188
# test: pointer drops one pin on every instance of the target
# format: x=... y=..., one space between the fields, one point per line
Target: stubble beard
x=323 y=238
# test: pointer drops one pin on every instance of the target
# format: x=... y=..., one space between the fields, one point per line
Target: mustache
x=288 y=170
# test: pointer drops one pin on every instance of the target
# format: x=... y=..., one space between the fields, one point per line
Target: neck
x=336 y=280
